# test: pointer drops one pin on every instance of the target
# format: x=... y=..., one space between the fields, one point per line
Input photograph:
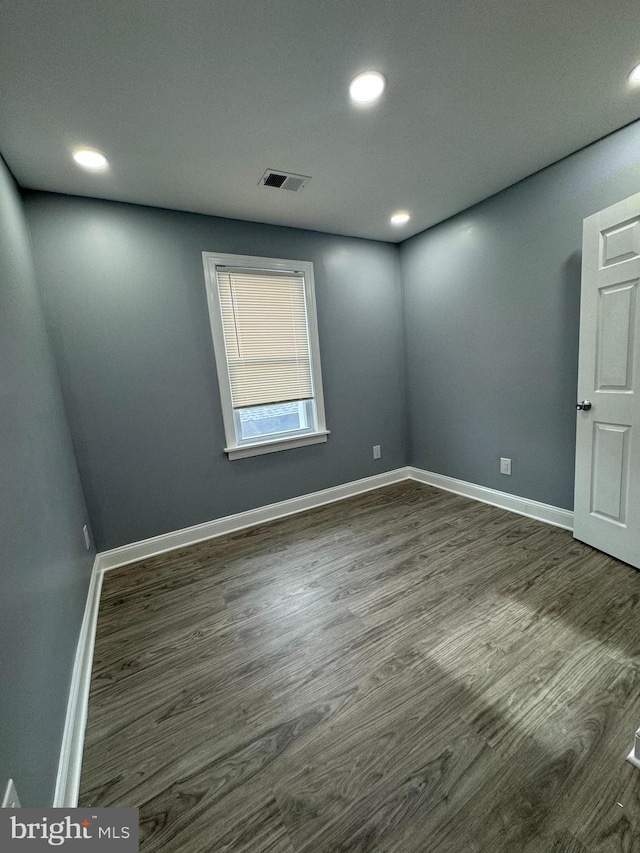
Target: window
x=265 y=337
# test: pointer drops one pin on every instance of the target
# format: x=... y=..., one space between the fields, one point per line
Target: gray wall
x=127 y=309
x=491 y=314
x=491 y=310
x=44 y=567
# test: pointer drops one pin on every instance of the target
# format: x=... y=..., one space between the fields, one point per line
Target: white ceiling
x=192 y=100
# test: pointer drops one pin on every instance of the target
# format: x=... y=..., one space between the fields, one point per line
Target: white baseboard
x=70 y=764
x=631 y=758
x=523 y=506
x=229 y=524
x=634 y=755
x=146 y=548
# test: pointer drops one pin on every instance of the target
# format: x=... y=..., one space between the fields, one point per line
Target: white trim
x=146 y=548
x=244 y=450
x=212 y=260
x=221 y=526
x=513 y=503
x=11 y=800
x=634 y=755
x=70 y=764
x=631 y=758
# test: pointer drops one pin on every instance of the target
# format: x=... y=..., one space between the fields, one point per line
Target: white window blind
x=266 y=337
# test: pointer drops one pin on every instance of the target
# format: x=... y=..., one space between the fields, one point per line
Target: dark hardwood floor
x=404 y=671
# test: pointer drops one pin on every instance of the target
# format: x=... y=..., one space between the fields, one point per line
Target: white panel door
x=607 y=499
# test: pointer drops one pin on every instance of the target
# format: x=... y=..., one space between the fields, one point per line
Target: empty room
x=319 y=467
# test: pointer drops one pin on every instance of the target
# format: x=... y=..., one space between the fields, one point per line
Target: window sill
x=275 y=444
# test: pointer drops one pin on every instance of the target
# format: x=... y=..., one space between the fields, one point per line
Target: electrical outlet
x=376 y=451
x=505 y=465
x=87 y=540
x=10 y=799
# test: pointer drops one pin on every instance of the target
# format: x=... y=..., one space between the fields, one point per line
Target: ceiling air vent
x=283 y=180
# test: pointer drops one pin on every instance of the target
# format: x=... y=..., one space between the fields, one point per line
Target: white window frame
x=235 y=448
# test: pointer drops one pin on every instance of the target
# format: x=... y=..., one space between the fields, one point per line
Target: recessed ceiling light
x=635 y=75
x=367 y=87
x=400 y=218
x=89 y=158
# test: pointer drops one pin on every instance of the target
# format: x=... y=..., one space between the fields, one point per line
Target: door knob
x=584 y=406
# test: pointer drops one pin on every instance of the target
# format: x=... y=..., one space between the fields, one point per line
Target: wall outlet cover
x=505 y=465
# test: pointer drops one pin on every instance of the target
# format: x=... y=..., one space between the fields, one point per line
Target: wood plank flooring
x=406 y=671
